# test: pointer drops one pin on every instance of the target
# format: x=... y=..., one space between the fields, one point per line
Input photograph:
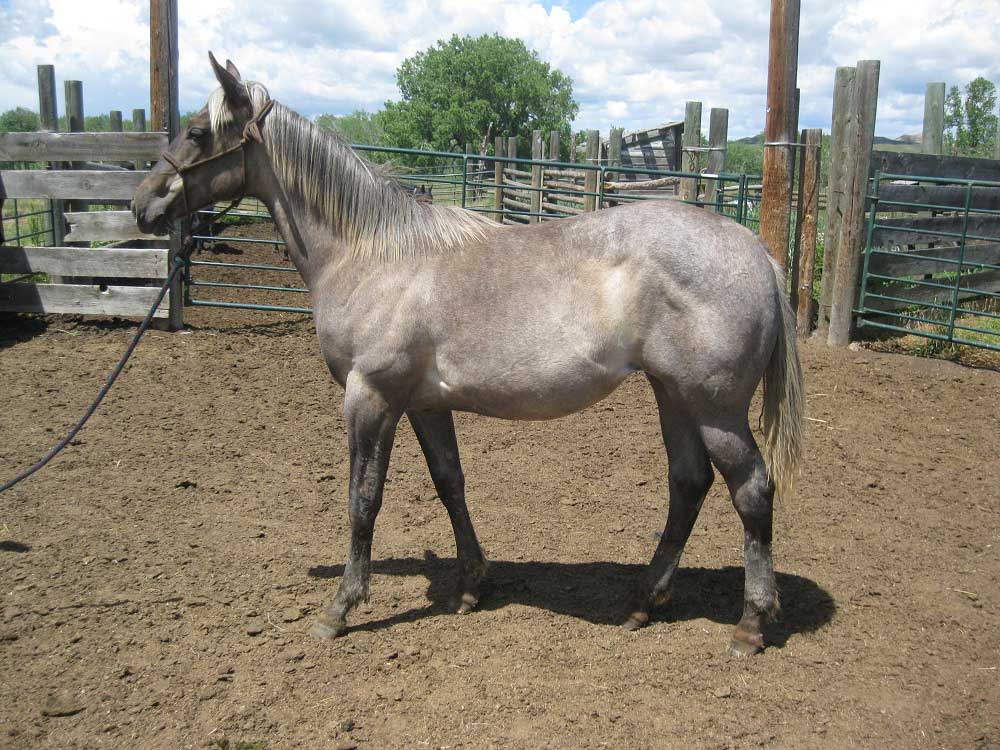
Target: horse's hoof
x=327 y=628
x=636 y=620
x=466 y=603
x=745 y=643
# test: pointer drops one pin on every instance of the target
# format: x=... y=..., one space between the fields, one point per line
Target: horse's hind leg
x=690 y=477
x=734 y=452
x=371 y=426
x=436 y=433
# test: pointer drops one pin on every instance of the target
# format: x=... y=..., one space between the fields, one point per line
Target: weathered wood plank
x=912 y=231
x=940 y=195
x=100 y=226
x=89 y=184
x=126 y=301
x=108 y=262
x=931 y=260
x=974 y=285
x=931 y=165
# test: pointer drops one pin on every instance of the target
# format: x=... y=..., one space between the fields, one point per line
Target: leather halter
x=251 y=132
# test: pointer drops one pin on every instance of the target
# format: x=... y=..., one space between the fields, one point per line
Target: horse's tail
x=783 y=399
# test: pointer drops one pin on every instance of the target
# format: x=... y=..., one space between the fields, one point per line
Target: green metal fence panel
x=944 y=284
x=460 y=179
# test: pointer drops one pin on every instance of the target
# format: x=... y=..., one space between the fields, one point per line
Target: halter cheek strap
x=251 y=132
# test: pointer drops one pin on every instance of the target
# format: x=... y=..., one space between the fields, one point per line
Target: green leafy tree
x=19 y=120
x=358 y=127
x=970 y=123
x=470 y=89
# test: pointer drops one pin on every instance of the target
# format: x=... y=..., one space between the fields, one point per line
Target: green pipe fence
x=934 y=305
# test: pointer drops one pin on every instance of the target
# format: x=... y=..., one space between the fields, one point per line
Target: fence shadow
x=597 y=592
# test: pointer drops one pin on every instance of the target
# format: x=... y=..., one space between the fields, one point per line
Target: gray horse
x=424 y=309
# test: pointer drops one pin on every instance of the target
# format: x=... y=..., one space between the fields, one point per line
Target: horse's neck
x=311 y=246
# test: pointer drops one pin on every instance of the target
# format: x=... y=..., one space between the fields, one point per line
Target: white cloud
x=633 y=62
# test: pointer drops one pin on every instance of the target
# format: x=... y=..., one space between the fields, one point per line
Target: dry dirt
x=159 y=578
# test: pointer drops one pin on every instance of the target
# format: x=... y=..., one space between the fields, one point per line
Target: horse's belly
x=522 y=392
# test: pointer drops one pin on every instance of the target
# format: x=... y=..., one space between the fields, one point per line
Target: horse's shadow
x=598 y=591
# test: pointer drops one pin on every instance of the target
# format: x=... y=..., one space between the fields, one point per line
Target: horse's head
x=207 y=161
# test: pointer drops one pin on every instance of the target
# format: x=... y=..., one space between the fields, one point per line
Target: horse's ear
x=231 y=67
x=236 y=92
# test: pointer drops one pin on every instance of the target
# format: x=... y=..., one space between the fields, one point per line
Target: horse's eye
x=196 y=134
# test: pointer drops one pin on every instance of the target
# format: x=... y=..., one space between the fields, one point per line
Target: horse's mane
x=375 y=215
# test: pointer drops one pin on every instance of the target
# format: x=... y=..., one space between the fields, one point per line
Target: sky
x=633 y=63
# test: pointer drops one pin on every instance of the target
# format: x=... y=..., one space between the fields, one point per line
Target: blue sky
x=633 y=62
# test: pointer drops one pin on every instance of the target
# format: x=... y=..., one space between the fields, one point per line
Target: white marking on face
x=176 y=186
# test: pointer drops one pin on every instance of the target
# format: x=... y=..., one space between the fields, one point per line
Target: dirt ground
x=160 y=577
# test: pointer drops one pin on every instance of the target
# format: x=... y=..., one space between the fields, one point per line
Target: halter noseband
x=251 y=132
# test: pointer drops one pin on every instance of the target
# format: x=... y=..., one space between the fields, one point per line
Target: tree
x=358 y=127
x=971 y=123
x=19 y=120
x=466 y=90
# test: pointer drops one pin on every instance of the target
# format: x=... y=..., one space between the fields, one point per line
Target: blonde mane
x=374 y=214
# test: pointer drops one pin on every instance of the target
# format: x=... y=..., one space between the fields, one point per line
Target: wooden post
x=779 y=128
x=75 y=123
x=164 y=115
x=591 y=176
x=48 y=115
x=859 y=153
x=809 y=184
x=48 y=107
x=512 y=154
x=139 y=120
x=115 y=121
x=498 y=180
x=843 y=103
x=553 y=145
x=932 y=138
x=536 y=176
x=718 y=134
x=139 y=126
x=615 y=147
x=691 y=140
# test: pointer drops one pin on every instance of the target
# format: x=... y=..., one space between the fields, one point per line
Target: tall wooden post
x=48 y=115
x=812 y=139
x=718 y=134
x=164 y=115
x=536 y=177
x=498 y=179
x=857 y=164
x=690 y=142
x=75 y=123
x=843 y=103
x=591 y=176
x=780 y=127
x=932 y=138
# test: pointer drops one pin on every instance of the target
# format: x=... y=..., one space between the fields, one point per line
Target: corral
x=161 y=578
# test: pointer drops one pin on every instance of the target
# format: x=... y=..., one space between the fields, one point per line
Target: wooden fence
x=100 y=258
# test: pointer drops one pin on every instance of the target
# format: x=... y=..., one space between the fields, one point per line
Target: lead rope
x=178 y=265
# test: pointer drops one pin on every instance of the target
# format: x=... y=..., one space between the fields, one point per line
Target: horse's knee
x=692 y=480
x=754 y=499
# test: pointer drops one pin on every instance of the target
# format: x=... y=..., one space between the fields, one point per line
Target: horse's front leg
x=371 y=426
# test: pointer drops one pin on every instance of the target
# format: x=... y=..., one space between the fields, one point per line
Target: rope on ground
x=178 y=265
